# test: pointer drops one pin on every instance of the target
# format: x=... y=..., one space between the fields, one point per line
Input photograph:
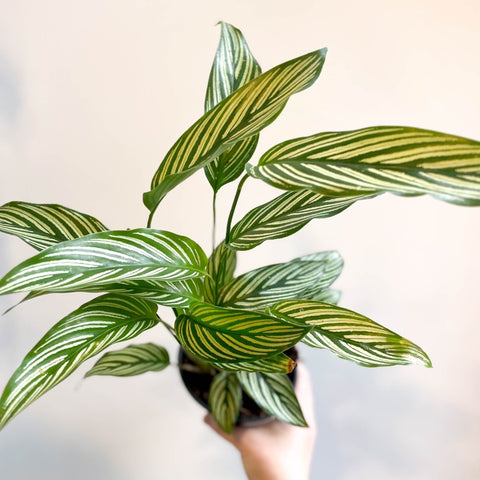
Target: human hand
x=277 y=450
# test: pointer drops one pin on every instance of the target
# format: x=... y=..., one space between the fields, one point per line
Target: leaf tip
x=291 y=365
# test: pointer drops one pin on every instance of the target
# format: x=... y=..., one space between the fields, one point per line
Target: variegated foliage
x=233 y=67
x=402 y=160
x=105 y=258
x=220 y=269
x=351 y=336
x=131 y=360
x=266 y=286
x=226 y=335
x=43 y=225
x=280 y=363
x=242 y=114
x=274 y=393
x=225 y=399
x=285 y=215
x=85 y=332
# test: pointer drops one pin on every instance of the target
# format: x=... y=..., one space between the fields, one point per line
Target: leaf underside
x=131 y=360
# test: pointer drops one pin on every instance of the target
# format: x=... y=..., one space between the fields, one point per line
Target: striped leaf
x=275 y=364
x=220 y=268
x=178 y=294
x=285 y=215
x=274 y=393
x=87 y=331
x=105 y=258
x=43 y=225
x=242 y=114
x=217 y=334
x=402 y=160
x=225 y=399
x=333 y=266
x=352 y=336
x=231 y=163
x=325 y=296
x=233 y=67
x=265 y=286
x=131 y=360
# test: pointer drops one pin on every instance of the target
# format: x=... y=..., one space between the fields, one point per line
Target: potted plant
x=233 y=330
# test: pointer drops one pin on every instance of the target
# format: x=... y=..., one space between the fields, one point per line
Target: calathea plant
x=236 y=328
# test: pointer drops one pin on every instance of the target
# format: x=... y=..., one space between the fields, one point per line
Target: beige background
x=92 y=95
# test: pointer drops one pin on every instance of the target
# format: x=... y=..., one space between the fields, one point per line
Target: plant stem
x=168 y=327
x=234 y=205
x=150 y=218
x=214 y=216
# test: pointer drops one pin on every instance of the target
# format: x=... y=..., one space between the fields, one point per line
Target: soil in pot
x=198 y=385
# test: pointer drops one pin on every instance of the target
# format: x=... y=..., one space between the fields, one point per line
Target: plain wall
x=93 y=94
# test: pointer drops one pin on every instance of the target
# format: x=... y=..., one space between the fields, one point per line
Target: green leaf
x=43 y=225
x=225 y=399
x=217 y=334
x=351 y=336
x=274 y=393
x=275 y=364
x=285 y=215
x=131 y=360
x=266 y=286
x=220 y=268
x=231 y=163
x=87 y=331
x=325 y=296
x=233 y=67
x=333 y=266
x=105 y=258
x=178 y=294
x=402 y=160
x=242 y=114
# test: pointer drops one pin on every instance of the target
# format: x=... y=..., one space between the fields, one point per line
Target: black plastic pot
x=198 y=385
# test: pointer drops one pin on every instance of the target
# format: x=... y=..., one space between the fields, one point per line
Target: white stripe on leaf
x=85 y=332
x=400 y=160
x=105 y=258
